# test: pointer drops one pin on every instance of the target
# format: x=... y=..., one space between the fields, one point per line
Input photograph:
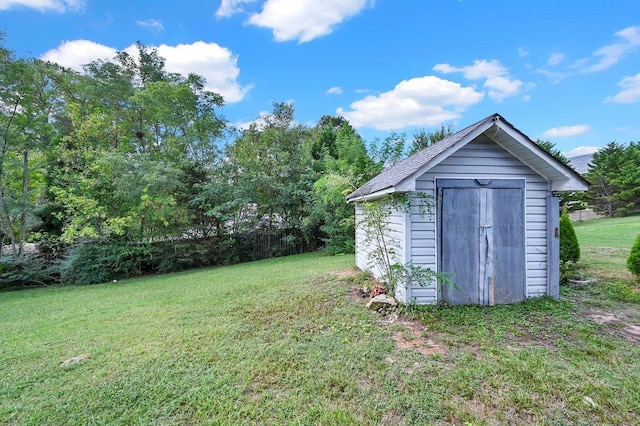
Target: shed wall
x=483 y=158
x=395 y=238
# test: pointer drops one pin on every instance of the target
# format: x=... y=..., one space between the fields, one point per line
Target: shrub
x=92 y=262
x=633 y=262
x=26 y=271
x=569 y=246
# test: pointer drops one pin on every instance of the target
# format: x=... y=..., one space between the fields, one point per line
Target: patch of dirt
x=603 y=318
x=345 y=273
x=417 y=339
x=632 y=333
x=620 y=322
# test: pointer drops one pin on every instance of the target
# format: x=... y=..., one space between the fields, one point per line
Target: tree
x=271 y=172
x=28 y=99
x=570 y=199
x=615 y=180
x=550 y=147
x=344 y=166
x=423 y=139
x=390 y=151
x=135 y=141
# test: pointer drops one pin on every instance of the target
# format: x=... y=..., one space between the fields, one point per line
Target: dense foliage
x=633 y=261
x=615 y=180
x=126 y=169
x=569 y=246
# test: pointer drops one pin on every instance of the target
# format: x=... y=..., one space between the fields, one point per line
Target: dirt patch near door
x=413 y=336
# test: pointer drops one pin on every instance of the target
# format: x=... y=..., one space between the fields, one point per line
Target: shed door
x=482 y=240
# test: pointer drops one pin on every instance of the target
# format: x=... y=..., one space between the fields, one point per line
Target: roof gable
x=401 y=176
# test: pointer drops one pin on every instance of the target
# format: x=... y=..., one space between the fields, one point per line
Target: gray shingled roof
x=403 y=169
x=581 y=163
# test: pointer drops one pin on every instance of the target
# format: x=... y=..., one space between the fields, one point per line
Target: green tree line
x=614 y=176
x=126 y=168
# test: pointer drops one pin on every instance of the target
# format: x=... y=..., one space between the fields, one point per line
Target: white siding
x=395 y=238
x=483 y=158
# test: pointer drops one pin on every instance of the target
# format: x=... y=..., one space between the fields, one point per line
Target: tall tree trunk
x=5 y=220
x=25 y=200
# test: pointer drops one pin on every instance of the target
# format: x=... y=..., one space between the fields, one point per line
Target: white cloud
x=152 y=24
x=582 y=150
x=498 y=82
x=630 y=92
x=555 y=76
x=610 y=55
x=231 y=7
x=215 y=63
x=422 y=101
x=45 y=5
x=76 y=53
x=566 y=131
x=336 y=90
x=522 y=52
x=305 y=20
x=263 y=119
x=259 y=122
x=555 y=58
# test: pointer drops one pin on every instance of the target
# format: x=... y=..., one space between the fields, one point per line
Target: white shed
x=494 y=228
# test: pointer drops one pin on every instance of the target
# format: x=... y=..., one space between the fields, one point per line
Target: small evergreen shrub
x=569 y=246
x=633 y=262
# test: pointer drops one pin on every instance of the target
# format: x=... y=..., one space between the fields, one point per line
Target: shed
x=494 y=226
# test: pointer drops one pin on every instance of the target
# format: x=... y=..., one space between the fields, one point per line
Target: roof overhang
x=496 y=128
x=561 y=177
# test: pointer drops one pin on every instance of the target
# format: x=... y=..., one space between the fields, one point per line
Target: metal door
x=482 y=240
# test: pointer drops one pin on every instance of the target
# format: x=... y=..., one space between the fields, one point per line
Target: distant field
x=606 y=243
x=287 y=341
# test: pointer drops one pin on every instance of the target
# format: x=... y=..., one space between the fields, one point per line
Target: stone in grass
x=382 y=301
x=75 y=360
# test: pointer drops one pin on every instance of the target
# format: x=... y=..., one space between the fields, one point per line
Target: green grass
x=286 y=341
x=605 y=245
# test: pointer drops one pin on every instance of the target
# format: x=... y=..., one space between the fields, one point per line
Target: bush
x=171 y=256
x=26 y=271
x=633 y=262
x=92 y=262
x=569 y=246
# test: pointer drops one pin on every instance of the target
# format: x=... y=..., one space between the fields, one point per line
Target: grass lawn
x=286 y=341
x=605 y=245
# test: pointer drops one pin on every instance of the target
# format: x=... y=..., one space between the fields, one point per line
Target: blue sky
x=567 y=71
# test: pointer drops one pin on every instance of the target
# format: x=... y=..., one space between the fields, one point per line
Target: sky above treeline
x=566 y=71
